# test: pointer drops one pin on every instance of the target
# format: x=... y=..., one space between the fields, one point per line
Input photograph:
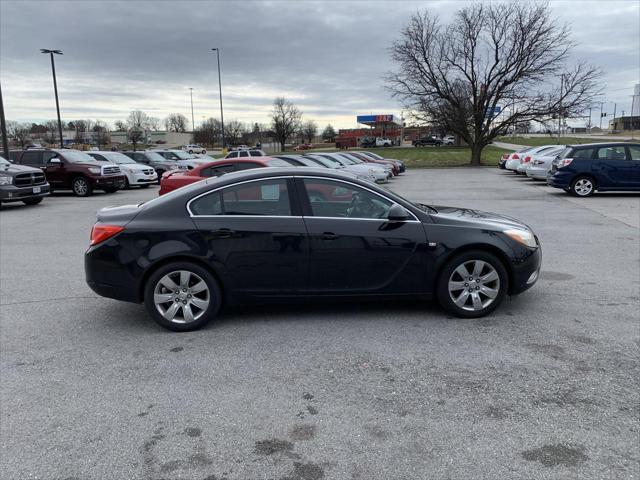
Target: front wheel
x=160 y=173
x=32 y=201
x=472 y=284
x=582 y=186
x=190 y=151
x=81 y=187
x=182 y=296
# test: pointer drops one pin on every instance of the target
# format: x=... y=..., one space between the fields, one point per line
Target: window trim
x=415 y=218
x=286 y=178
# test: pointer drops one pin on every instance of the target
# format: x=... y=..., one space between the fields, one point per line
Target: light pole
x=55 y=88
x=217 y=50
x=3 y=129
x=193 y=122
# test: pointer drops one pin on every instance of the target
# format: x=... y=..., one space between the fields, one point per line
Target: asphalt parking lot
x=547 y=387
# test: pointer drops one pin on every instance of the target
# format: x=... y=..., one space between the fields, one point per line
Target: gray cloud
x=328 y=57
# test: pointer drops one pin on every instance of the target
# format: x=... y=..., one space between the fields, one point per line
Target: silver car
x=541 y=163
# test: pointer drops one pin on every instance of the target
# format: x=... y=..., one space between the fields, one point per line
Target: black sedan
x=302 y=233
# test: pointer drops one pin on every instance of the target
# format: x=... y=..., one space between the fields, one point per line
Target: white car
x=540 y=164
x=513 y=159
x=135 y=174
x=383 y=142
x=194 y=149
x=183 y=158
x=246 y=153
x=526 y=159
x=378 y=173
x=449 y=140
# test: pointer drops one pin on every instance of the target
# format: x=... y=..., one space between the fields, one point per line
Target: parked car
x=375 y=156
x=383 y=142
x=72 y=169
x=155 y=160
x=375 y=174
x=183 y=158
x=176 y=179
x=395 y=168
x=259 y=234
x=194 y=149
x=303 y=146
x=449 y=140
x=424 y=141
x=527 y=158
x=583 y=169
x=355 y=159
x=246 y=153
x=366 y=142
x=135 y=174
x=19 y=183
x=540 y=163
x=513 y=159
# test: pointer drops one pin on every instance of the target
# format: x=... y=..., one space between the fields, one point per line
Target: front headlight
x=525 y=237
x=6 y=180
x=95 y=170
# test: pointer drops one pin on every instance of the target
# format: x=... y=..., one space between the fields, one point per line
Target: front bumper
x=142 y=178
x=115 y=181
x=11 y=193
x=526 y=270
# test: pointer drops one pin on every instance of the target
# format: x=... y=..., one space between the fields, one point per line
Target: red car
x=179 y=178
x=303 y=146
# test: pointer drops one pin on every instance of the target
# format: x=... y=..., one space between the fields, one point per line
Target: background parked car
x=449 y=140
x=303 y=146
x=246 y=153
x=72 y=169
x=194 y=149
x=155 y=160
x=375 y=156
x=583 y=169
x=173 y=180
x=527 y=158
x=183 y=158
x=375 y=174
x=513 y=159
x=383 y=142
x=540 y=163
x=424 y=141
x=135 y=174
x=20 y=183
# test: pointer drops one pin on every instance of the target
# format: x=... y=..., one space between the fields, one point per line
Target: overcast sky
x=328 y=57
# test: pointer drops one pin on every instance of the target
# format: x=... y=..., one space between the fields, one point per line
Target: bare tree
x=208 y=133
x=154 y=123
x=309 y=130
x=120 y=126
x=137 y=119
x=329 y=133
x=508 y=55
x=100 y=133
x=234 y=131
x=176 y=122
x=20 y=132
x=285 y=120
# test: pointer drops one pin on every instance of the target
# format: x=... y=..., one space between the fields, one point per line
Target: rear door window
x=217 y=170
x=634 y=152
x=31 y=158
x=616 y=152
x=261 y=198
x=247 y=166
x=255 y=153
x=583 y=153
x=244 y=154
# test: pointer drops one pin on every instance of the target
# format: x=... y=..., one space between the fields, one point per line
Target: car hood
x=133 y=167
x=475 y=218
x=13 y=168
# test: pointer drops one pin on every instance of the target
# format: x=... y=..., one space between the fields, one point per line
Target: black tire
x=445 y=297
x=190 y=151
x=214 y=296
x=160 y=173
x=146 y=185
x=126 y=186
x=583 y=186
x=32 y=201
x=203 y=152
x=81 y=187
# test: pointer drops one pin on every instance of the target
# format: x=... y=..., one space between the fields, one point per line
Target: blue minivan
x=583 y=169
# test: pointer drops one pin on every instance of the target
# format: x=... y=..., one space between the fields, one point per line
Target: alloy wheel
x=181 y=296
x=583 y=187
x=474 y=285
x=80 y=187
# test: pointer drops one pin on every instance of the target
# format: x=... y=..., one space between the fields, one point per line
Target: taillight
x=505 y=156
x=100 y=233
x=515 y=157
x=526 y=159
x=564 y=162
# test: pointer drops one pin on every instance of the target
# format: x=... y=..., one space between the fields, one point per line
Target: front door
x=54 y=167
x=354 y=248
x=255 y=237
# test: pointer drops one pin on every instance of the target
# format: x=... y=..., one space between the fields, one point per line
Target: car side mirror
x=54 y=161
x=397 y=213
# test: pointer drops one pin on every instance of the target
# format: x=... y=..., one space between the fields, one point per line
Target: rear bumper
x=11 y=193
x=106 y=276
x=537 y=173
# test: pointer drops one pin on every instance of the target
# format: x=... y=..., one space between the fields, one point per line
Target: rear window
x=278 y=162
x=255 y=153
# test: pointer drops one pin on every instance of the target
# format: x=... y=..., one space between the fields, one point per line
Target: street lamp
x=193 y=123
x=55 y=88
x=217 y=50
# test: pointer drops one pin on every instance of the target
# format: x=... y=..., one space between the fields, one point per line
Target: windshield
x=182 y=155
x=4 y=162
x=350 y=159
x=339 y=161
x=118 y=158
x=154 y=157
x=278 y=162
x=373 y=155
x=75 y=156
x=326 y=162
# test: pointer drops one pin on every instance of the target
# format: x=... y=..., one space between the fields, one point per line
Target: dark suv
x=583 y=169
x=72 y=169
x=155 y=160
x=21 y=184
x=424 y=141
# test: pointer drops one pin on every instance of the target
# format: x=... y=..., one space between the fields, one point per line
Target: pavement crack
x=56 y=299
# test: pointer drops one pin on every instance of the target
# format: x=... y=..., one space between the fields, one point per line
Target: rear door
x=613 y=167
x=255 y=236
x=633 y=151
x=354 y=249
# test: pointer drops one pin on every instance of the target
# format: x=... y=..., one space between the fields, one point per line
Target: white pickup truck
x=383 y=142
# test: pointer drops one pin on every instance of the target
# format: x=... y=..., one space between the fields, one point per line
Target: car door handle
x=223 y=233
x=329 y=236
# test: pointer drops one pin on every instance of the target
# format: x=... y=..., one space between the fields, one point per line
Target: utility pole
x=217 y=50
x=615 y=105
x=3 y=129
x=55 y=88
x=589 y=124
x=560 y=109
x=601 y=104
x=193 y=123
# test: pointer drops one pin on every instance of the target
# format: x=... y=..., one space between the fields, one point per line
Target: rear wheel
x=583 y=186
x=81 y=187
x=472 y=284
x=160 y=173
x=182 y=296
x=32 y=201
x=126 y=184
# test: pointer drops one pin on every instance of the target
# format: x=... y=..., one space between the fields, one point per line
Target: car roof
x=601 y=144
